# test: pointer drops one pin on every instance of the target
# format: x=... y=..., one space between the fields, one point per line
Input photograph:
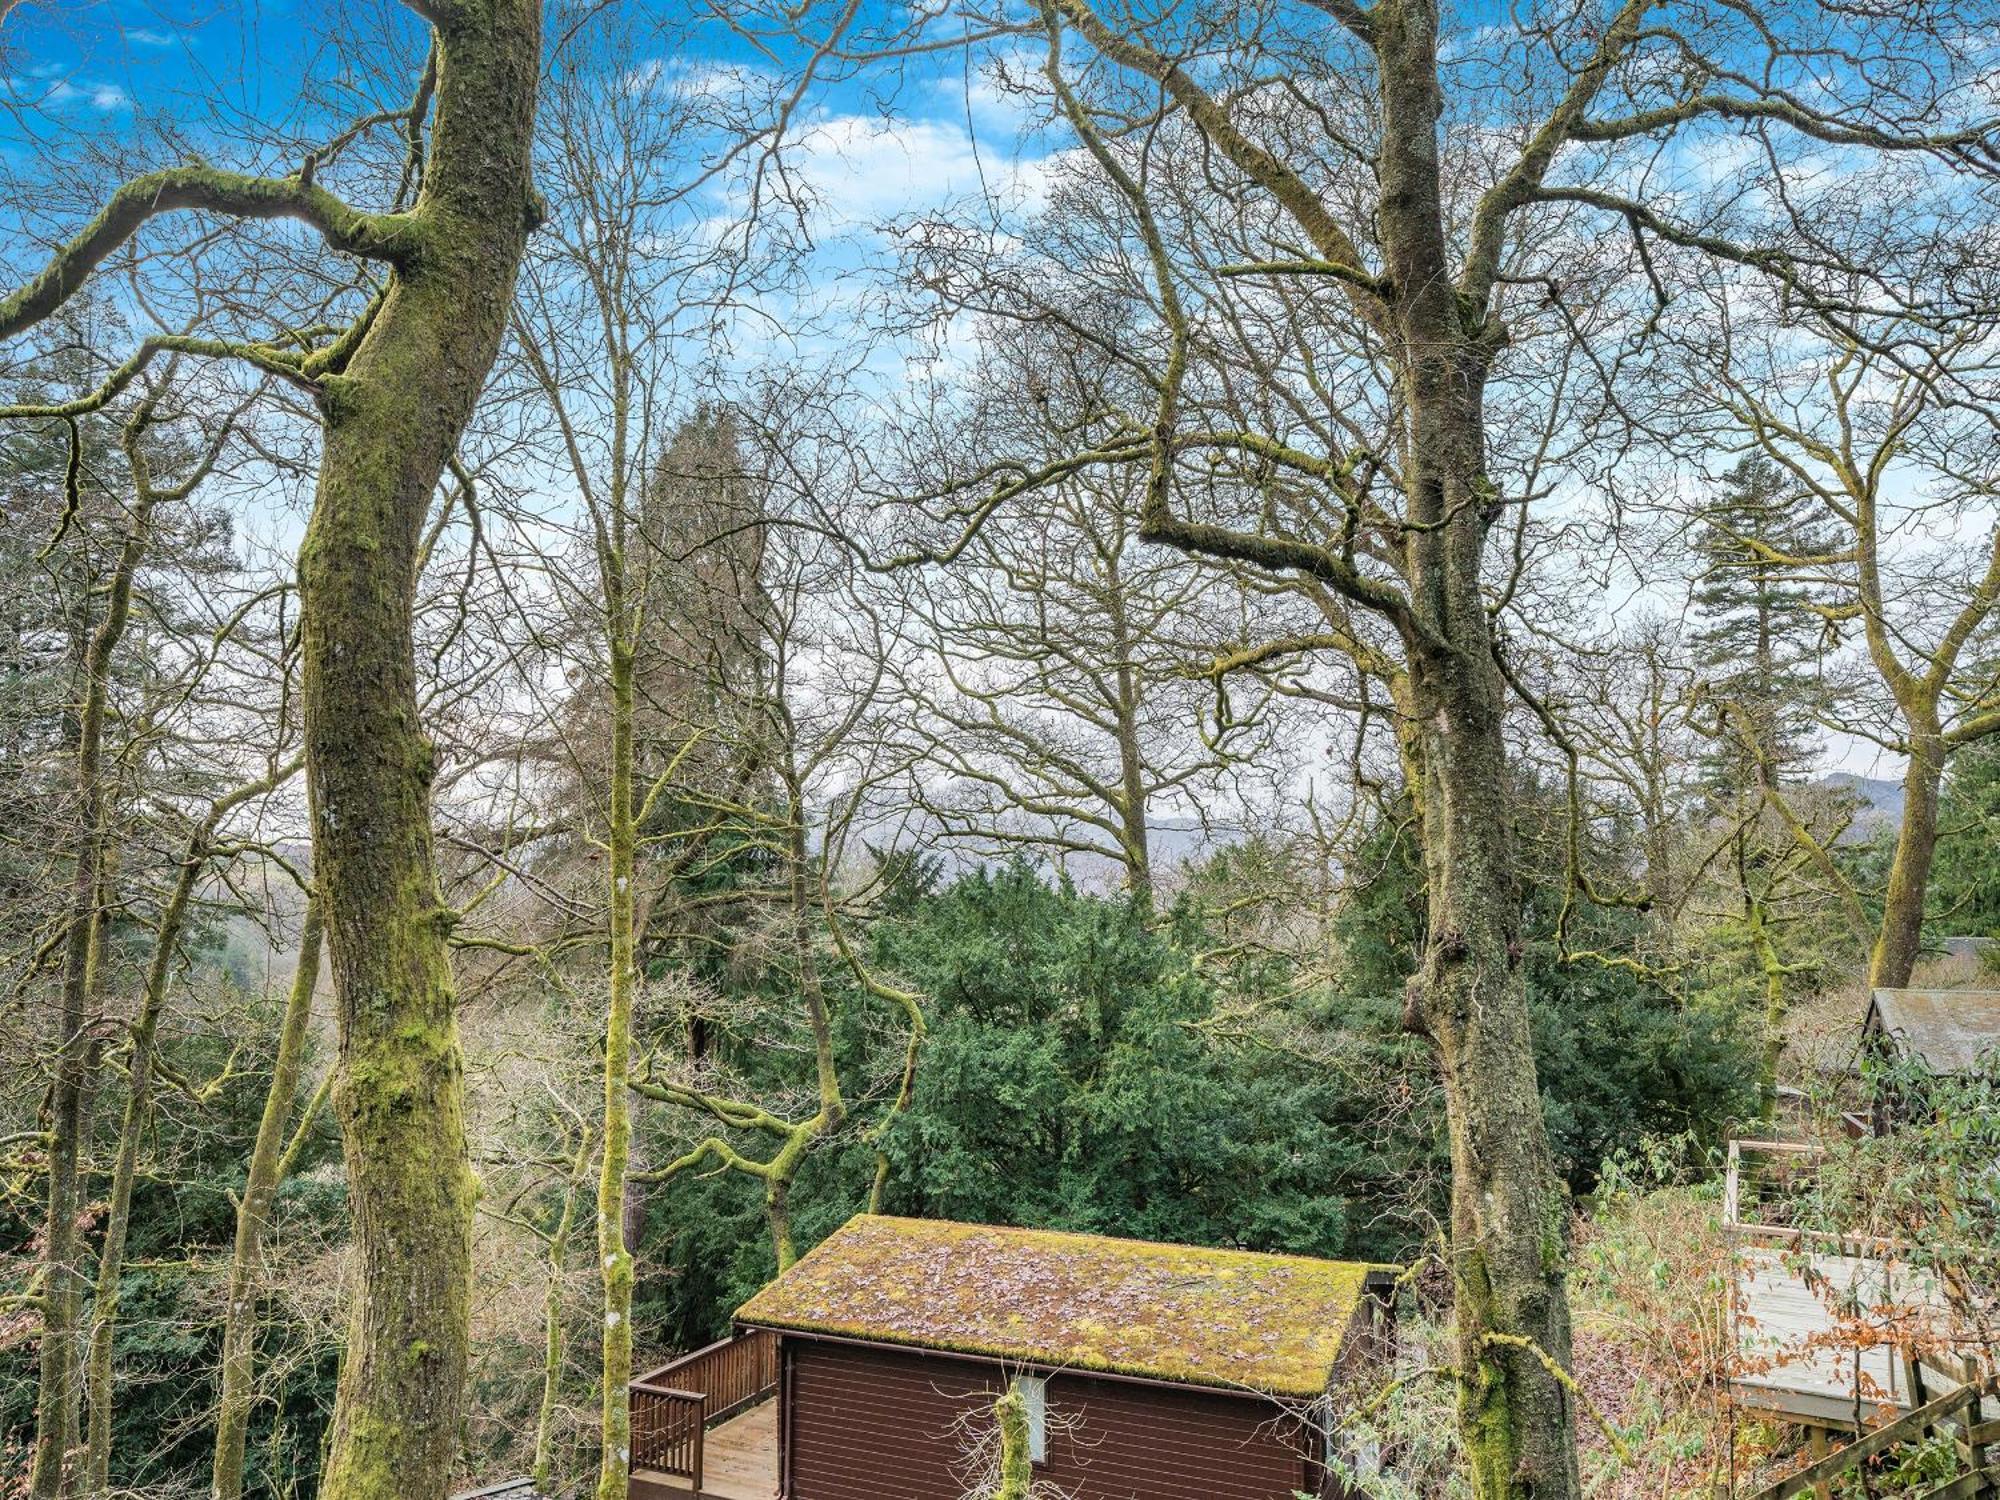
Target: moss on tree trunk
x=1899 y=940
x=1017 y=1470
x=253 y=1211
x=1509 y=1215
x=392 y=421
x=615 y=1257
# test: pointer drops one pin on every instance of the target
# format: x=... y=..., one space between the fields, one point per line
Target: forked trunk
x=1900 y=938
x=1509 y=1215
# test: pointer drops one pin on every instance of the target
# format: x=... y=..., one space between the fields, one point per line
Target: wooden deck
x=739 y=1462
x=1792 y=1358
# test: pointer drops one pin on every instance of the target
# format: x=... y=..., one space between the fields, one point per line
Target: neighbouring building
x=1948 y=1031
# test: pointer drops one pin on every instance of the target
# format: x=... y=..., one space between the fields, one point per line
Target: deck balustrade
x=673 y=1406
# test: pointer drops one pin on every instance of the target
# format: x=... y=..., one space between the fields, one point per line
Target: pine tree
x=1759 y=632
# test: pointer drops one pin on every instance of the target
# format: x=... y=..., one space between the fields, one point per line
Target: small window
x=1035 y=1397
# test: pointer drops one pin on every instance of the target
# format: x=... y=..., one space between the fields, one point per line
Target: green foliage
x=1907 y=1469
x=1758 y=635
x=1072 y=1079
x=1965 y=881
x=1069 y=1082
x=169 y=1339
x=1618 y=1056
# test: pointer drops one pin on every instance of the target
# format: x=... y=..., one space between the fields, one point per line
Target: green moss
x=1231 y=1318
x=1017 y=1470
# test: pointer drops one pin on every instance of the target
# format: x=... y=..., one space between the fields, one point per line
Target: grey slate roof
x=1948 y=1031
x=1970 y=947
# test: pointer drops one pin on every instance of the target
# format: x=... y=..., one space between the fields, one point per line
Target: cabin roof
x=1948 y=1031
x=1228 y=1318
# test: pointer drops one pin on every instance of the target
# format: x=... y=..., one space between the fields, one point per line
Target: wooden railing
x=673 y=1405
x=667 y=1426
x=1767 y=1182
x=1958 y=1417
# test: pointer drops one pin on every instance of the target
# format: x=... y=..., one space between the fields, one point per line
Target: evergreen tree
x=1965 y=882
x=1759 y=634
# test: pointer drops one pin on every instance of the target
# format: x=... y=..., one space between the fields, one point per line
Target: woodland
x=627 y=628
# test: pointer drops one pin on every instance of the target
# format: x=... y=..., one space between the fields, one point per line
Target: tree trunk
x=1017 y=1470
x=615 y=1255
x=1509 y=1214
x=392 y=421
x=118 y=1210
x=552 y=1318
x=56 y=1404
x=1134 y=787
x=1773 y=968
x=1900 y=937
x=260 y=1188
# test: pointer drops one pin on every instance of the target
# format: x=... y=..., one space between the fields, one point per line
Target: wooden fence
x=673 y=1406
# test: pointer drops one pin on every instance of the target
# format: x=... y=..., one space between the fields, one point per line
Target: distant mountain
x=1881 y=801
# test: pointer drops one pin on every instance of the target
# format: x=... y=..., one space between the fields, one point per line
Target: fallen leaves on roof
x=1231 y=1318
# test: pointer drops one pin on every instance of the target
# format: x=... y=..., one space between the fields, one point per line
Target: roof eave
x=1040 y=1366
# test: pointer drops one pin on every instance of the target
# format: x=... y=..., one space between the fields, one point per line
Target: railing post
x=700 y=1426
x=1979 y=1455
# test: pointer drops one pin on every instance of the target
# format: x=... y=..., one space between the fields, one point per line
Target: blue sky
x=104 y=70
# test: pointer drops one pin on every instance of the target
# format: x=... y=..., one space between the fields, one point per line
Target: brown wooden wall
x=879 y=1424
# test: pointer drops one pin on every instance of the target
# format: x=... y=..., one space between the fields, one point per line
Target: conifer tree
x=1760 y=628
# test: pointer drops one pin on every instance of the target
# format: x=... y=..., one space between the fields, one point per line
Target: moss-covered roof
x=1230 y=1318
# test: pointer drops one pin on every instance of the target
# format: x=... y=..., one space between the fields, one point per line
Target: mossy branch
x=385 y=237
x=1017 y=1471
x=1564 y=1379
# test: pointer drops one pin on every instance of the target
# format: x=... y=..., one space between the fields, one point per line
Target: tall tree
x=1061 y=706
x=1762 y=629
x=395 y=389
x=1867 y=428
x=1340 y=212
x=595 y=338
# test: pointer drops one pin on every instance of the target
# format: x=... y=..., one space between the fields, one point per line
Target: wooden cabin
x=1152 y=1372
x=1947 y=1031
x=1837 y=1330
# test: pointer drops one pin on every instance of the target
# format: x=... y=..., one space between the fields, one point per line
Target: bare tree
x=1064 y=706
x=1882 y=429
x=597 y=338
x=279 y=1139
x=1379 y=289
x=395 y=388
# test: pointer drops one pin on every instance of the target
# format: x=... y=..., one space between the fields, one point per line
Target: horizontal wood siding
x=868 y=1424
x=1113 y=1441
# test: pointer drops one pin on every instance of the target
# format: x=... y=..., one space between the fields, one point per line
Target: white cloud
x=104 y=97
x=866 y=169
x=143 y=36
